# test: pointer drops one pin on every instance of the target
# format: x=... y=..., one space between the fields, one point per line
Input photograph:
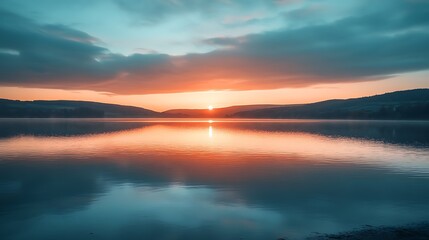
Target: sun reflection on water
x=255 y=180
x=210 y=132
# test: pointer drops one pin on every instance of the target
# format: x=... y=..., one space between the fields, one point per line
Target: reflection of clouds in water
x=174 y=206
x=184 y=206
x=265 y=198
x=174 y=179
x=169 y=139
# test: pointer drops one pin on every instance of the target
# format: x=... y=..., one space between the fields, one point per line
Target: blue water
x=201 y=179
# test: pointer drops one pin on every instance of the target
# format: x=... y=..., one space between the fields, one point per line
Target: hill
x=409 y=104
x=217 y=112
x=63 y=108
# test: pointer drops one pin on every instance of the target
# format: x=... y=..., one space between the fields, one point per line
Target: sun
x=210 y=107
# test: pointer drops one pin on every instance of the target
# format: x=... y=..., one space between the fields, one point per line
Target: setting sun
x=247 y=110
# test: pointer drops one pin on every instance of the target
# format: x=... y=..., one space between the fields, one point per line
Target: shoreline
x=417 y=231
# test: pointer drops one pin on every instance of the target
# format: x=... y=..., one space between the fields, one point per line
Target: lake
x=209 y=179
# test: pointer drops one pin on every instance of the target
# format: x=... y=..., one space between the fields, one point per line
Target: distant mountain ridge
x=216 y=113
x=408 y=104
x=65 y=109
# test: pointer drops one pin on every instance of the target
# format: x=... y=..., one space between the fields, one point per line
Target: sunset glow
x=225 y=52
x=214 y=119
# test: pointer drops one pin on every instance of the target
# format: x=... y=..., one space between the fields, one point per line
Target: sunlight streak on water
x=209 y=179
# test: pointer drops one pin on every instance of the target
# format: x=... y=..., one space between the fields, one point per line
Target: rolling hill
x=63 y=108
x=216 y=113
x=408 y=104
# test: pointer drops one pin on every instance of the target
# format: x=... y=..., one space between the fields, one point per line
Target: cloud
x=44 y=54
x=390 y=39
x=151 y=12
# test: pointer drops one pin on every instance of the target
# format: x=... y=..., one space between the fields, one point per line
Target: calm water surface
x=200 y=179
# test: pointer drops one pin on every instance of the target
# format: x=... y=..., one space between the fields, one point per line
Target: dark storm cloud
x=389 y=38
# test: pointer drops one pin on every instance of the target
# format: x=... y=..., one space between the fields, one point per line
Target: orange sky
x=165 y=55
x=162 y=102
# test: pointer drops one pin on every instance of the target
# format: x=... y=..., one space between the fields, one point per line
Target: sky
x=194 y=53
